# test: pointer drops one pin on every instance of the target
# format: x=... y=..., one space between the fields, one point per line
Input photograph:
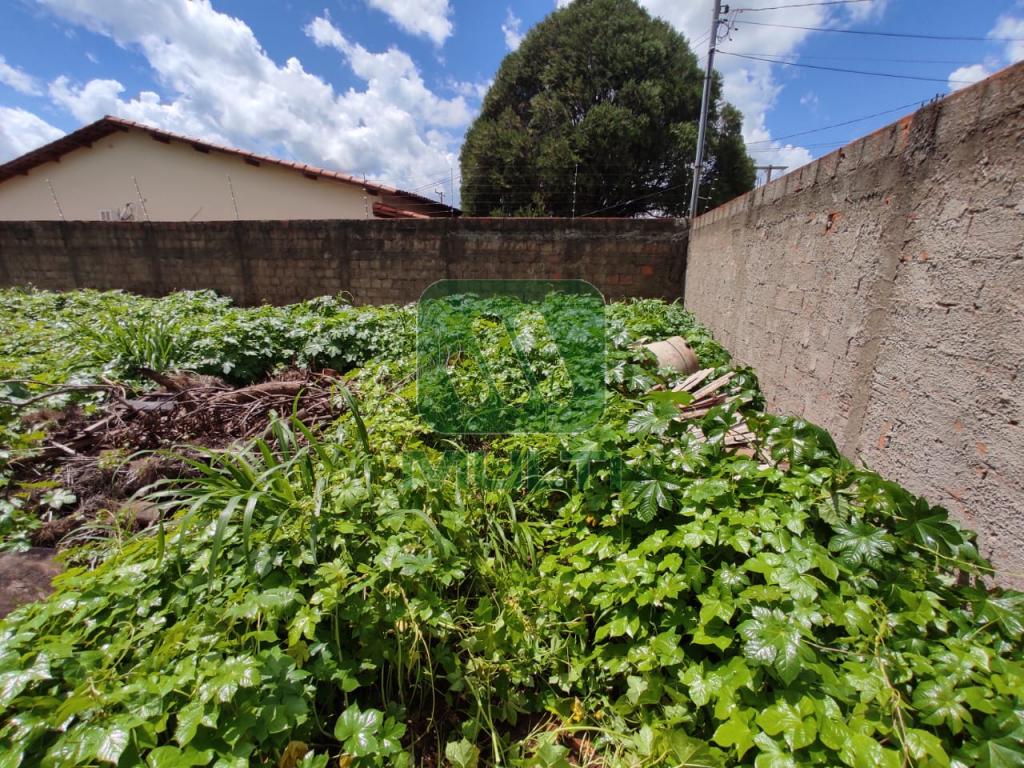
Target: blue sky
x=387 y=88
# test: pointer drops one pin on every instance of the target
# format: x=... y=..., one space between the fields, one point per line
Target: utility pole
x=698 y=165
x=575 y=175
x=768 y=171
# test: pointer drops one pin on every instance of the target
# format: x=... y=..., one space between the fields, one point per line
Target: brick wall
x=880 y=293
x=376 y=261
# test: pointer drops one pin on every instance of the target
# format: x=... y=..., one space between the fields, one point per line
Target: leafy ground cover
x=372 y=593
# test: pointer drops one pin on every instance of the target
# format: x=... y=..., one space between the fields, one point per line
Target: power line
x=635 y=200
x=839 y=125
x=822 y=145
x=851 y=71
x=802 y=5
x=863 y=58
x=891 y=34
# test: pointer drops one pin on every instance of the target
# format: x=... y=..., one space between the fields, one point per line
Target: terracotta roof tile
x=88 y=134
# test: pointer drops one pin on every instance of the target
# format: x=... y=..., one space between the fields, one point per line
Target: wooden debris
x=709 y=396
x=197 y=410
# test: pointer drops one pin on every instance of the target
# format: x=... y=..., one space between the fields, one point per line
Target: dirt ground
x=25 y=576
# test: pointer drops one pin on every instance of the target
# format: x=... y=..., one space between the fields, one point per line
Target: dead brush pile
x=139 y=437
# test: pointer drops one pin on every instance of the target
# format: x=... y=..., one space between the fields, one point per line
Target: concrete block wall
x=378 y=262
x=879 y=292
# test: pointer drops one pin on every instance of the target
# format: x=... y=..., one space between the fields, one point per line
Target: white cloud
x=18 y=79
x=392 y=77
x=426 y=18
x=21 y=131
x=512 y=29
x=221 y=85
x=859 y=13
x=470 y=90
x=964 y=76
x=751 y=86
x=1009 y=28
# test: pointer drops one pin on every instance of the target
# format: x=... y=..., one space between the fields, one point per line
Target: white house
x=118 y=170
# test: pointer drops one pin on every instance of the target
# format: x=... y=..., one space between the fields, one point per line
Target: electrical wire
x=634 y=200
x=851 y=71
x=890 y=34
x=838 y=125
x=862 y=58
x=801 y=5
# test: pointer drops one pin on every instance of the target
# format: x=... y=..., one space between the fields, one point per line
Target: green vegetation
x=376 y=594
x=597 y=112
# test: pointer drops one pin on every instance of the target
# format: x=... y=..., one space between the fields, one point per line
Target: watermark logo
x=510 y=356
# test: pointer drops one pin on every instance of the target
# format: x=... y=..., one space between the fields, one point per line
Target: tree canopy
x=596 y=114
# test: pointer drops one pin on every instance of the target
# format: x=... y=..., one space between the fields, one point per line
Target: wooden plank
x=693 y=381
x=714 y=386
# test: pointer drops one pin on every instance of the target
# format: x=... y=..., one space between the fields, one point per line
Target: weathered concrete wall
x=880 y=293
x=377 y=262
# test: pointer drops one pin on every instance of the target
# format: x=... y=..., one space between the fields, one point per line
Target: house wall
x=177 y=182
x=880 y=293
x=377 y=261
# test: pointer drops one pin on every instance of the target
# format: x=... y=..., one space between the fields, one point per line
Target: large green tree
x=596 y=114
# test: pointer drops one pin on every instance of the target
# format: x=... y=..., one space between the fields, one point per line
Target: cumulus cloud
x=512 y=29
x=18 y=79
x=965 y=76
x=751 y=86
x=426 y=18
x=392 y=78
x=21 y=131
x=1012 y=28
x=221 y=85
x=1008 y=28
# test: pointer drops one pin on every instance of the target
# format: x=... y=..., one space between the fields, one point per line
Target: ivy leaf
x=704 y=490
x=653 y=419
x=735 y=733
x=923 y=745
x=1006 y=610
x=772 y=755
x=861 y=544
x=357 y=730
x=786 y=719
x=391 y=737
x=861 y=751
x=647 y=496
x=774 y=641
x=112 y=744
x=1001 y=753
x=930 y=527
x=938 y=703
x=13 y=683
x=462 y=754
x=172 y=757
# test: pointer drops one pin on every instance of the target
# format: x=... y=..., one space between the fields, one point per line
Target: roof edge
x=88 y=134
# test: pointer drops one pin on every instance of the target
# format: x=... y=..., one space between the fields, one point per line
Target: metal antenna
x=705 y=104
x=56 y=202
x=142 y=201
